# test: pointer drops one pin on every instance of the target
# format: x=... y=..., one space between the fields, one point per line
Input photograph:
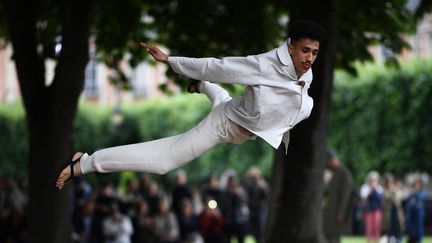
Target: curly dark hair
x=306 y=29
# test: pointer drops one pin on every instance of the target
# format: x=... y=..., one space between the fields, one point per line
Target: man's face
x=303 y=53
x=333 y=163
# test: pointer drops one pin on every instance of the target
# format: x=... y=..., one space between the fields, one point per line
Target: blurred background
x=73 y=78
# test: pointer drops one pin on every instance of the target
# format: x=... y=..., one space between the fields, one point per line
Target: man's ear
x=290 y=49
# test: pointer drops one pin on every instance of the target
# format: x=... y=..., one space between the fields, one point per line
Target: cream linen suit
x=275 y=100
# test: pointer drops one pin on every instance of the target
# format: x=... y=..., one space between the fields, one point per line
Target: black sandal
x=193 y=87
x=71 y=164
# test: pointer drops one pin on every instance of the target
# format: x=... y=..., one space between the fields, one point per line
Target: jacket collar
x=285 y=59
x=283 y=55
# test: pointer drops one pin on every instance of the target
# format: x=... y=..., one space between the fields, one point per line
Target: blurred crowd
x=222 y=208
x=383 y=209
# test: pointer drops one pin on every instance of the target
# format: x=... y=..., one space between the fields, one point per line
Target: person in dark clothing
x=235 y=210
x=415 y=214
x=83 y=221
x=143 y=224
x=181 y=191
x=392 y=221
x=211 y=223
x=188 y=223
x=211 y=189
x=337 y=200
x=257 y=194
x=104 y=200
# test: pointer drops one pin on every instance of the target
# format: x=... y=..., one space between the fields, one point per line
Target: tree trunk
x=297 y=178
x=50 y=109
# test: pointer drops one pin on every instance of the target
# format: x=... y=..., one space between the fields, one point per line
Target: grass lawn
x=345 y=239
x=358 y=239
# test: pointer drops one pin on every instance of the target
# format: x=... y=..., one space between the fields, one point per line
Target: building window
x=90 y=82
x=429 y=43
x=140 y=88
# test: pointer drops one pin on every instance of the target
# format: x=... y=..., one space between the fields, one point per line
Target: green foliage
x=95 y=128
x=381 y=119
x=216 y=28
x=13 y=141
x=372 y=22
x=222 y=27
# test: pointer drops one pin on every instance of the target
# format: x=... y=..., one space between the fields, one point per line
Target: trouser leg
x=163 y=155
x=214 y=92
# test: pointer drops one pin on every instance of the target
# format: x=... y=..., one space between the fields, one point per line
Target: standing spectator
x=82 y=222
x=143 y=224
x=166 y=226
x=235 y=210
x=415 y=213
x=144 y=186
x=257 y=194
x=104 y=199
x=211 y=222
x=13 y=205
x=154 y=196
x=129 y=197
x=211 y=189
x=392 y=222
x=83 y=209
x=371 y=193
x=117 y=227
x=337 y=200
x=181 y=191
x=188 y=223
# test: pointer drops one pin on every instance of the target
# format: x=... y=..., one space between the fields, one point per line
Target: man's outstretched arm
x=239 y=70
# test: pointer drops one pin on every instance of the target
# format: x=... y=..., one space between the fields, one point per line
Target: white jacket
x=275 y=98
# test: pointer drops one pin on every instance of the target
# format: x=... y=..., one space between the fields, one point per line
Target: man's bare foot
x=67 y=174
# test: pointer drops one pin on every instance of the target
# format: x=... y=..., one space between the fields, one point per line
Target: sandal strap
x=71 y=165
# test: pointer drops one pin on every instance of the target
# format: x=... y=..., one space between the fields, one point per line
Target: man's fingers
x=155 y=52
x=144 y=45
x=147 y=47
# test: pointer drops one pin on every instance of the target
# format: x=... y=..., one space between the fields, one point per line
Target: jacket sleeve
x=231 y=70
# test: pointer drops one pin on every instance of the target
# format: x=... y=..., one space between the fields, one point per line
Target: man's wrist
x=166 y=60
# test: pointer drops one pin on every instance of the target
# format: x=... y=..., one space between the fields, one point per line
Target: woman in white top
x=275 y=100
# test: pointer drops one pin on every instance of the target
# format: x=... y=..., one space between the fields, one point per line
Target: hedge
x=143 y=121
x=381 y=120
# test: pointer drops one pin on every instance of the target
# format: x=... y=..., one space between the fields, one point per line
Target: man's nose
x=309 y=57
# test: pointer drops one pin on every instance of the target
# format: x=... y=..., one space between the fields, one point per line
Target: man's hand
x=156 y=53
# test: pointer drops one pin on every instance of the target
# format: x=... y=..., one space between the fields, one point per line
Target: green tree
x=35 y=28
x=295 y=214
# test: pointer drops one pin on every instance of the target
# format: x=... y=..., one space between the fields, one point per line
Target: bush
x=381 y=119
x=13 y=141
x=143 y=121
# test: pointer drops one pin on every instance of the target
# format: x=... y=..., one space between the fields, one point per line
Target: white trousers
x=166 y=154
